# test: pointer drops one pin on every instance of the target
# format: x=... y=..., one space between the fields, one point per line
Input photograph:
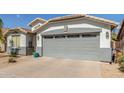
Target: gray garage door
x=74 y=46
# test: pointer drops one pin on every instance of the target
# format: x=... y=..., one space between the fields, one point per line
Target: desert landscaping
x=28 y=66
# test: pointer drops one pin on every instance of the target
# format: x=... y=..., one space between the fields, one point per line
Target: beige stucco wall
x=22 y=39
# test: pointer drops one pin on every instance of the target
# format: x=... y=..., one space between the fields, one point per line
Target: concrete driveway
x=51 y=68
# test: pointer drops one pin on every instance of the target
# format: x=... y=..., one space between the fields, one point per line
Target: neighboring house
x=75 y=36
x=120 y=38
x=21 y=39
x=3 y=45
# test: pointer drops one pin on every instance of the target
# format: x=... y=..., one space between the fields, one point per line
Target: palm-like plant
x=1 y=34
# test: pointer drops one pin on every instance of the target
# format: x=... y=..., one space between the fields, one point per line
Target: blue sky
x=15 y=20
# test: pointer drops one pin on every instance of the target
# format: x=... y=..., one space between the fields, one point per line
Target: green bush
x=121 y=59
x=12 y=60
x=121 y=63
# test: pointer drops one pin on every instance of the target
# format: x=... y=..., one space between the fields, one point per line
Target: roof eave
x=105 y=21
x=30 y=24
x=17 y=29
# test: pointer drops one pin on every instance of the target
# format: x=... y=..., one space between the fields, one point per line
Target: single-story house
x=21 y=39
x=74 y=36
x=120 y=38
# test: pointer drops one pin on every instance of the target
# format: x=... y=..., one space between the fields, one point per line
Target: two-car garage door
x=74 y=46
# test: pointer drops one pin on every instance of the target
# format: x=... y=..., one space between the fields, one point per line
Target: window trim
x=48 y=37
x=73 y=36
x=89 y=35
x=60 y=36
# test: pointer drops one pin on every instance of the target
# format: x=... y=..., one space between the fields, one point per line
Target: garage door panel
x=80 y=42
x=77 y=48
x=75 y=54
x=74 y=46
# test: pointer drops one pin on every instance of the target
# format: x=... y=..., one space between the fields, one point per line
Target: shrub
x=12 y=60
x=119 y=57
x=13 y=55
x=121 y=62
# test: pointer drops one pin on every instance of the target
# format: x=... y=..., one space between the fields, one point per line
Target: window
x=107 y=35
x=48 y=37
x=16 y=41
x=88 y=35
x=73 y=36
x=57 y=37
x=36 y=26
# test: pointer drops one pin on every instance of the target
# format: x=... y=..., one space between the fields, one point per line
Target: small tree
x=1 y=33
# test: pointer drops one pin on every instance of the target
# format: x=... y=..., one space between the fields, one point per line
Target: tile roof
x=69 y=17
x=24 y=30
x=35 y=20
